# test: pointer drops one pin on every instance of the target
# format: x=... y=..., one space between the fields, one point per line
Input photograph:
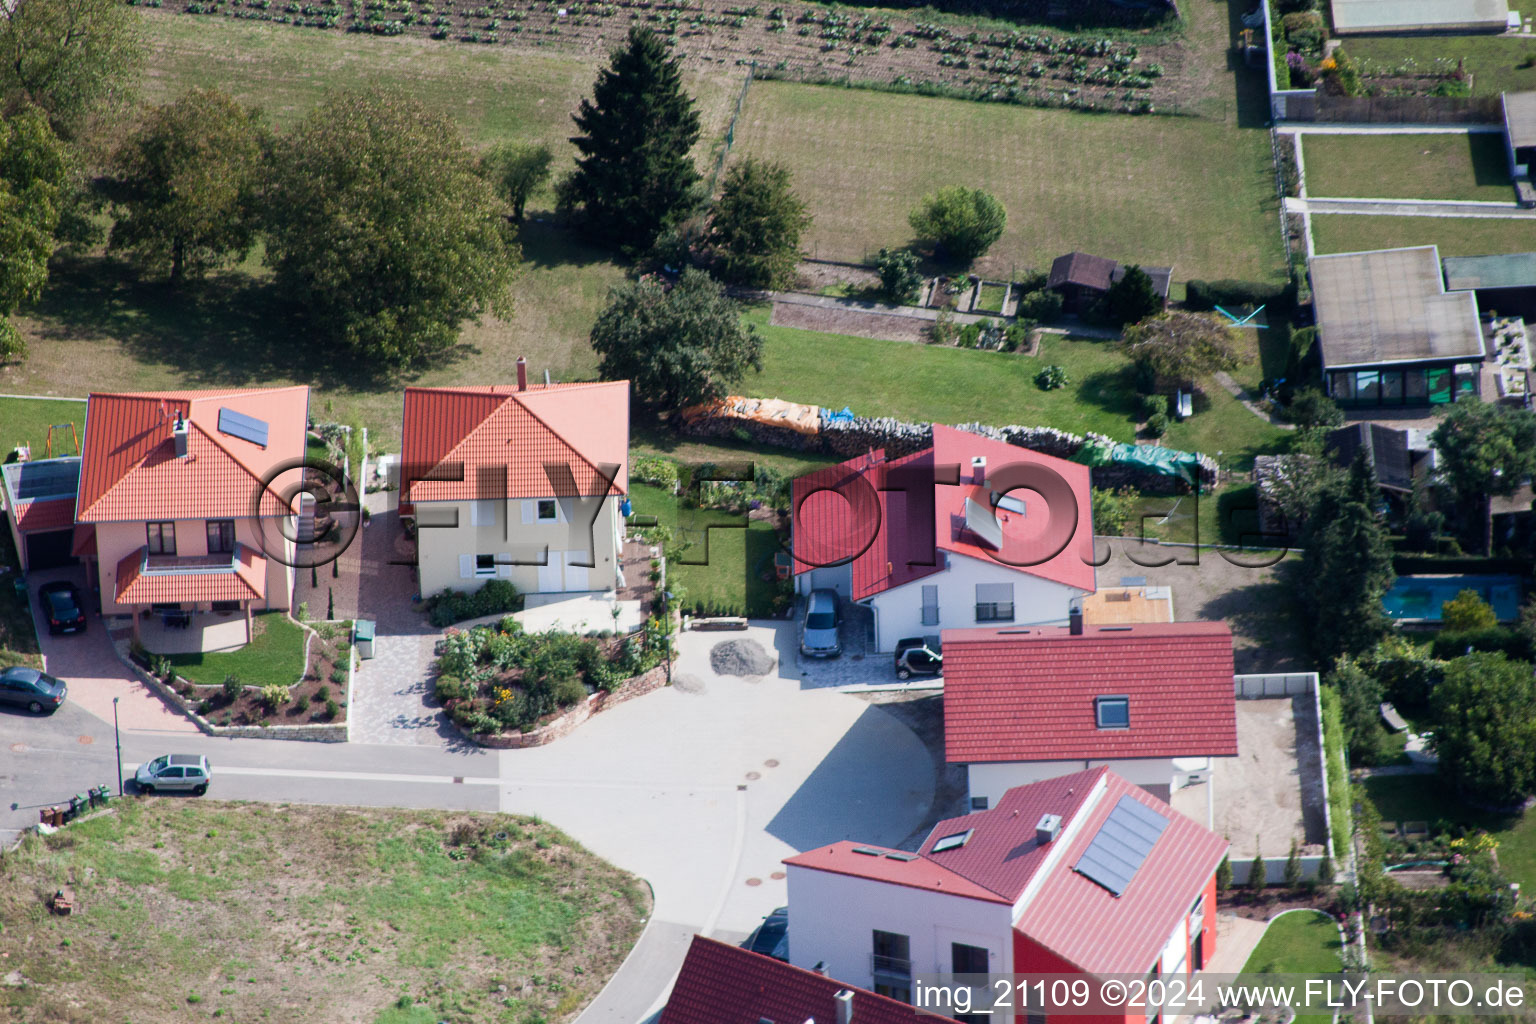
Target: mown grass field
x=1493 y=61
x=1470 y=166
x=191 y=909
x=1456 y=236
x=1194 y=192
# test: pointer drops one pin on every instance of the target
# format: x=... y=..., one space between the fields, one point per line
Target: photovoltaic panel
x=1121 y=845
x=980 y=521
x=246 y=428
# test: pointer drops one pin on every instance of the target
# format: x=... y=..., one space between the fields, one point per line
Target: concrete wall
x=899 y=612
x=1158 y=775
x=834 y=917
x=114 y=541
x=449 y=532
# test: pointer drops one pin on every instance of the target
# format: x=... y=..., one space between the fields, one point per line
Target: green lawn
x=1299 y=942
x=1493 y=61
x=1456 y=236
x=1197 y=193
x=274 y=656
x=718 y=558
x=26 y=421
x=991 y=297
x=1470 y=166
x=197 y=909
x=1424 y=798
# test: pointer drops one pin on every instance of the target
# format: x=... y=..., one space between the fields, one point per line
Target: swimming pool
x=1418 y=598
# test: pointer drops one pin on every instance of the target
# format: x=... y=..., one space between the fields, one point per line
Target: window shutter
x=504 y=565
x=482 y=513
x=994 y=593
x=930 y=604
x=530 y=512
x=466 y=567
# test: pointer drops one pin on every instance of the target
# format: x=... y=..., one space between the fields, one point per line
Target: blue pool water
x=1419 y=598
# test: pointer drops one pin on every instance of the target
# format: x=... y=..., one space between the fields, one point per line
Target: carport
x=40 y=508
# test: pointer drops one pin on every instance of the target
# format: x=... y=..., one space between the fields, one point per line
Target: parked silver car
x=175 y=772
x=818 y=632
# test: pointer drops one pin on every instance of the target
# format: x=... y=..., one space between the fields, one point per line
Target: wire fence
x=730 y=129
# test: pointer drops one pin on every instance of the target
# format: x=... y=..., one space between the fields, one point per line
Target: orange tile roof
x=471 y=439
x=84 y=542
x=129 y=469
x=246 y=581
x=47 y=514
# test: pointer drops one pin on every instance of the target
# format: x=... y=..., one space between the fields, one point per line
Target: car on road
x=818 y=632
x=28 y=688
x=62 y=607
x=771 y=938
x=919 y=656
x=175 y=773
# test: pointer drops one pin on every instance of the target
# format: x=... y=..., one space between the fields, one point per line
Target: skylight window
x=953 y=842
x=866 y=851
x=1112 y=712
x=901 y=856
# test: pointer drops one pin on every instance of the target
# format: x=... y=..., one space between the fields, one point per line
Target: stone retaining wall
x=331 y=732
x=637 y=686
x=847 y=438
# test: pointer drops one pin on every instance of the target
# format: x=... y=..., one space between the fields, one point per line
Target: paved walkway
x=922 y=313
x=1409 y=208
x=392 y=695
x=1295 y=128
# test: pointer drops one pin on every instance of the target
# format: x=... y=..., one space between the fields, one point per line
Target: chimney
x=844 y=1000
x=820 y=968
x=978 y=469
x=522 y=373
x=1075 y=620
x=1047 y=828
x=546 y=378
x=179 y=435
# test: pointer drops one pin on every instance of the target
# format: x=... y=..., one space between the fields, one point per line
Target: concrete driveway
x=87 y=662
x=704 y=790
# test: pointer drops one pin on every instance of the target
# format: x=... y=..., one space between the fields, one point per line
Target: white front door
x=575 y=575
x=549 y=575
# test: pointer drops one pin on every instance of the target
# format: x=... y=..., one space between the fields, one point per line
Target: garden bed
x=288 y=675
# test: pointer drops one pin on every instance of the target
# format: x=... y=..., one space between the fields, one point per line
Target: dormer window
x=1112 y=712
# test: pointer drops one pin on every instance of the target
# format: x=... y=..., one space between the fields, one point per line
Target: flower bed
x=501 y=679
x=215 y=689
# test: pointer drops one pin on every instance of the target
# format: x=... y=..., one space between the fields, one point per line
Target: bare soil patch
x=850 y=321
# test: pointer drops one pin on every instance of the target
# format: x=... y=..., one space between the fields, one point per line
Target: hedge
x=1203 y=295
x=1512 y=642
x=495 y=597
x=1338 y=775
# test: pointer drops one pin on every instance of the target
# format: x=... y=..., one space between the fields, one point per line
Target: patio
x=205 y=631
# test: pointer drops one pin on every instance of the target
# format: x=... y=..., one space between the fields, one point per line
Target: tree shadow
x=548 y=242
x=1263 y=612
x=1489 y=160
x=1250 y=85
x=231 y=329
x=1113 y=391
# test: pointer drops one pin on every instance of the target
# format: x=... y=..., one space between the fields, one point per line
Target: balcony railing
x=186 y=565
x=890 y=966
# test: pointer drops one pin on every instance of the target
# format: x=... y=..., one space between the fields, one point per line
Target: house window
x=978 y=803
x=1112 y=712
x=930 y=605
x=221 y=536
x=164 y=606
x=485 y=565
x=900 y=993
x=967 y=959
x=892 y=956
x=161 y=538
x=994 y=602
x=549 y=510
x=1367 y=390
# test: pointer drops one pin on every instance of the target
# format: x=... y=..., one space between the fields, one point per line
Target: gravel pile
x=740 y=658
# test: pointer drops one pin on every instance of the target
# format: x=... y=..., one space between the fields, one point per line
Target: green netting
x=1163 y=461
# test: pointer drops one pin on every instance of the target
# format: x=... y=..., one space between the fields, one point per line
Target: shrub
x=1449 y=644
x=970 y=334
x=1113 y=510
x=899 y=277
x=301 y=705
x=1293 y=866
x=1041 y=305
x=493 y=597
x=275 y=696
x=1051 y=378
x=1158 y=424
x=453 y=688
x=332 y=709
x=961 y=222
x=1152 y=405
x=323 y=694
x=1206 y=295
x=652 y=469
x=233 y=687
x=944 y=330
x=1015 y=337
x=303 y=612
x=1467 y=612
x=1311 y=408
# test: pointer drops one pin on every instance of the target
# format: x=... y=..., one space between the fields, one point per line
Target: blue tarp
x=1151 y=457
x=846 y=416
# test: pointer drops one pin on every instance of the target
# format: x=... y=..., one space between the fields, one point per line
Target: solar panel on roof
x=246 y=428
x=1121 y=845
x=980 y=521
x=46 y=478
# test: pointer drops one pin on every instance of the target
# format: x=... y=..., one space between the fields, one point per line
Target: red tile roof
x=246 y=581
x=47 y=514
x=891 y=519
x=129 y=469
x=721 y=984
x=1085 y=924
x=1028 y=695
x=840 y=859
x=84 y=541
x=459 y=435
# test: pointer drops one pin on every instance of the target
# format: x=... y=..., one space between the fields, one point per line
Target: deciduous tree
x=755 y=230
x=34 y=169
x=678 y=346
x=1485 y=450
x=380 y=229
x=1181 y=346
x=961 y=222
x=634 y=176
x=68 y=58
x=186 y=185
x=518 y=170
x=899 y=278
x=1484 y=714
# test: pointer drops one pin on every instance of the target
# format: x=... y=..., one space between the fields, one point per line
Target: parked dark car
x=28 y=688
x=62 y=607
x=771 y=938
x=818 y=633
x=919 y=656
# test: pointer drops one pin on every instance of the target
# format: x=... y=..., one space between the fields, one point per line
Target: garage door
x=49 y=550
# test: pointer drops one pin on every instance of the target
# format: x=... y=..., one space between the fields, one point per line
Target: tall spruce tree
x=634 y=177
x=1346 y=566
